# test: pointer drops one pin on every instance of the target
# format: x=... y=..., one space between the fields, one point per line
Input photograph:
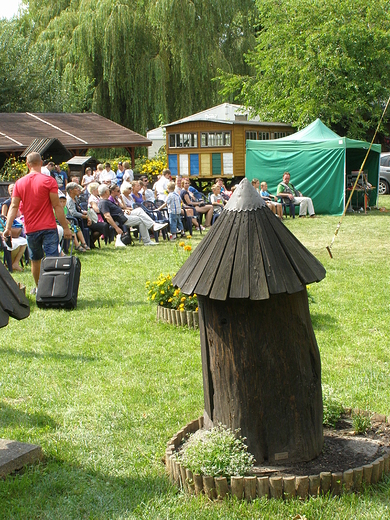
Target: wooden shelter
x=13 y=301
x=212 y=143
x=260 y=360
x=76 y=132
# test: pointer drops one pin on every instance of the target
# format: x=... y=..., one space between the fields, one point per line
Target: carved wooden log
x=326 y=481
x=190 y=319
x=190 y=482
x=209 y=487
x=221 y=487
x=289 y=487
x=337 y=483
x=314 y=485
x=276 y=487
x=281 y=416
x=357 y=479
x=198 y=482
x=263 y=487
x=348 y=480
x=302 y=486
x=237 y=485
x=250 y=488
x=367 y=474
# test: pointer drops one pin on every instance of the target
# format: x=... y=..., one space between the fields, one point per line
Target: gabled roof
x=248 y=253
x=12 y=300
x=75 y=131
x=44 y=145
x=226 y=113
x=79 y=160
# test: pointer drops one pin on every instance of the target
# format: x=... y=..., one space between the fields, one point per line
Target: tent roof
x=316 y=131
x=248 y=253
x=315 y=136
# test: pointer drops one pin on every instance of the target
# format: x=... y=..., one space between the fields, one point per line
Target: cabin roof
x=74 y=131
x=248 y=253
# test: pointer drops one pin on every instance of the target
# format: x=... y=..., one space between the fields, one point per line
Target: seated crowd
x=108 y=205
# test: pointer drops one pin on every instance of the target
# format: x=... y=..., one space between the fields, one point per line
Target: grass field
x=103 y=388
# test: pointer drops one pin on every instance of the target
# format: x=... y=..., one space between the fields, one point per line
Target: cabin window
x=215 y=139
x=251 y=135
x=188 y=140
x=278 y=135
x=263 y=136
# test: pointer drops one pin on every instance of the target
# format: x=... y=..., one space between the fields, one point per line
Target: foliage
x=332 y=407
x=12 y=170
x=326 y=59
x=361 y=422
x=151 y=167
x=162 y=292
x=218 y=452
x=132 y=62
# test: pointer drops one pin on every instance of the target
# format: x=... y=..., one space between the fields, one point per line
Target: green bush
x=361 y=422
x=12 y=170
x=217 y=452
x=332 y=408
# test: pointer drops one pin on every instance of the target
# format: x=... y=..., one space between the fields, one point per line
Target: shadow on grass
x=56 y=355
x=324 y=322
x=58 y=489
x=10 y=417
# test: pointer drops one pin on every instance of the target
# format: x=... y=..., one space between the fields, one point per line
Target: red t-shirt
x=34 y=191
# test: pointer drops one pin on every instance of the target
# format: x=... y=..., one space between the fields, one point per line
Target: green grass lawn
x=103 y=388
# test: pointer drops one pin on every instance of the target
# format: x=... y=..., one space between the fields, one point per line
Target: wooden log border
x=286 y=488
x=178 y=318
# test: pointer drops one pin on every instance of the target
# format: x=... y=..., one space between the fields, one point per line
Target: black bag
x=58 y=284
x=126 y=239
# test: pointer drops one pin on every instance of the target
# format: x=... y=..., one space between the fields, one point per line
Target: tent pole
x=329 y=247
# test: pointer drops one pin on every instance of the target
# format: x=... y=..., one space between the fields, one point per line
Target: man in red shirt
x=38 y=194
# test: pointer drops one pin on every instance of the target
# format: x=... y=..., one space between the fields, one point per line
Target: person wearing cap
x=39 y=195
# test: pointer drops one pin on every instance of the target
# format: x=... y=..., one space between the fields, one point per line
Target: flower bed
x=282 y=487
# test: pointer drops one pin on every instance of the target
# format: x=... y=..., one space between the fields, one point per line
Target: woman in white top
x=88 y=177
x=125 y=195
x=128 y=174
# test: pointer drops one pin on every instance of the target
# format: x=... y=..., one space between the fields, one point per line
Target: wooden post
x=276 y=487
x=348 y=480
x=314 y=485
x=357 y=479
x=198 y=481
x=190 y=319
x=190 y=482
x=237 y=485
x=209 y=487
x=221 y=486
x=326 y=481
x=289 y=487
x=263 y=487
x=250 y=488
x=337 y=483
x=281 y=416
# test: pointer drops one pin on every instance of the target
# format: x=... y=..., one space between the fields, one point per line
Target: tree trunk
x=262 y=374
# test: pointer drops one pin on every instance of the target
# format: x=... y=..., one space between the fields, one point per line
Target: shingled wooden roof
x=248 y=253
x=75 y=131
x=12 y=300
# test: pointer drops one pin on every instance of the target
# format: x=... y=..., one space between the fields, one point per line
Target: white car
x=384 y=174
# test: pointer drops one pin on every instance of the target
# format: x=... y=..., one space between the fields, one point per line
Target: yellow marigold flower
x=189 y=237
x=194 y=295
x=187 y=248
x=161 y=303
x=147 y=284
x=196 y=310
x=183 y=299
x=170 y=299
x=181 y=244
x=153 y=296
x=162 y=292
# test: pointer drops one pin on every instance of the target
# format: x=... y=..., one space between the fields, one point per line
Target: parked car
x=384 y=174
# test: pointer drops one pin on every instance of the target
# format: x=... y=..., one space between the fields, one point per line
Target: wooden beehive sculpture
x=260 y=360
x=13 y=302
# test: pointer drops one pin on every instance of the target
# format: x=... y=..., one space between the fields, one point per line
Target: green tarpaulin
x=319 y=162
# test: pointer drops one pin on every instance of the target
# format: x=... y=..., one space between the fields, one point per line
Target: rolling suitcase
x=59 y=282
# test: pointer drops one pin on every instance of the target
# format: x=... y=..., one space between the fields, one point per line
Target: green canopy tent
x=320 y=163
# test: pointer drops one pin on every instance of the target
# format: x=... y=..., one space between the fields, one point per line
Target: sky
x=8 y=8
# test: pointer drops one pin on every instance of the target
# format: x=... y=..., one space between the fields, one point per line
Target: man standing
x=286 y=190
x=39 y=196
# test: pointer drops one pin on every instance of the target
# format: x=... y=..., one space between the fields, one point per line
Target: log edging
x=289 y=487
x=178 y=318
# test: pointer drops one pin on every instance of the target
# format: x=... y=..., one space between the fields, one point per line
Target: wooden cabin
x=212 y=143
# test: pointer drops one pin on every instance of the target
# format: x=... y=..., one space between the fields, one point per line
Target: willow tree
x=326 y=59
x=147 y=60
